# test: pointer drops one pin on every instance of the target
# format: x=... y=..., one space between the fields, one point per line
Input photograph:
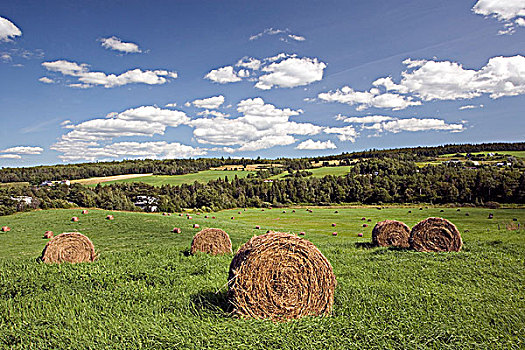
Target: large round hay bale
x=391 y=233
x=71 y=247
x=435 y=235
x=212 y=241
x=280 y=276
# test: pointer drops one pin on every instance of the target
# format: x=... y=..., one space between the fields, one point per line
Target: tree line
x=373 y=181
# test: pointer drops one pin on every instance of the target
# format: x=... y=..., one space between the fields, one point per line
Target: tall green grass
x=146 y=291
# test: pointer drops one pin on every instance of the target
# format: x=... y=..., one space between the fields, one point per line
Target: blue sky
x=103 y=80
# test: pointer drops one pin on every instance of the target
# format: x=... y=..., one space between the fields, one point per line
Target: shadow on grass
x=186 y=252
x=365 y=245
x=206 y=301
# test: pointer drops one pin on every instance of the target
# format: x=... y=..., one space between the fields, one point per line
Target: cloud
x=415 y=124
x=210 y=102
x=171 y=105
x=119 y=150
x=296 y=37
x=510 y=12
x=46 y=80
x=346 y=133
x=8 y=30
x=291 y=72
x=23 y=150
x=428 y=80
x=470 y=107
x=316 y=145
x=207 y=112
x=223 y=75
x=283 y=34
x=141 y=121
x=260 y=126
x=367 y=119
x=88 y=78
x=114 y=43
x=249 y=62
x=366 y=99
x=10 y=156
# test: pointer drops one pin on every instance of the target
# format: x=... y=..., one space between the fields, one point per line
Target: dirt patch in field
x=97 y=180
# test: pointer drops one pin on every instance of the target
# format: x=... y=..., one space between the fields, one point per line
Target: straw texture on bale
x=212 y=241
x=71 y=247
x=435 y=235
x=280 y=276
x=391 y=233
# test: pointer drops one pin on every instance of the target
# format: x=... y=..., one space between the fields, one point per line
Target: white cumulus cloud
x=116 y=44
x=213 y=102
x=415 y=124
x=511 y=12
x=10 y=156
x=223 y=75
x=46 y=80
x=8 y=30
x=23 y=150
x=316 y=145
x=291 y=72
x=88 y=78
x=345 y=133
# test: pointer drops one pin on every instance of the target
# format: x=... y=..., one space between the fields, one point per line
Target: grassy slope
x=144 y=291
x=517 y=154
x=203 y=176
x=321 y=172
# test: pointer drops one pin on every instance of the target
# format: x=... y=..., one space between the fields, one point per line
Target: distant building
x=53 y=183
x=268 y=180
x=147 y=203
x=28 y=200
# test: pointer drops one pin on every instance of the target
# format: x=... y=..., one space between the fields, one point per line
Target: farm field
x=321 y=172
x=146 y=291
x=159 y=180
x=517 y=154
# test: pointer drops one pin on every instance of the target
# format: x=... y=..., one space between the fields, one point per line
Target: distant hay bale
x=302 y=233
x=284 y=211
x=458 y=209
x=365 y=225
x=336 y=212
x=180 y=214
x=491 y=216
x=467 y=214
x=280 y=276
x=211 y=241
x=257 y=227
x=176 y=230
x=164 y=214
x=72 y=247
x=85 y=212
x=334 y=233
x=6 y=229
x=293 y=211
x=196 y=226
x=48 y=234
x=441 y=211
x=363 y=219
x=189 y=217
x=110 y=217
x=435 y=235
x=334 y=224
x=410 y=211
x=391 y=233
x=369 y=220
x=233 y=217
x=74 y=219
x=360 y=234
x=205 y=216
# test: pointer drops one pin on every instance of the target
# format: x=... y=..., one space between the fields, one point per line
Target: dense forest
x=384 y=180
x=36 y=175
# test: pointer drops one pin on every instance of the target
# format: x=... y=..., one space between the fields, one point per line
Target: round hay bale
x=302 y=233
x=441 y=211
x=213 y=217
x=369 y=220
x=257 y=227
x=74 y=219
x=72 y=247
x=391 y=233
x=334 y=233
x=205 y=216
x=48 y=234
x=365 y=225
x=293 y=211
x=280 y=276
x=336 y=212
x=233 y=218
x=196 y=226
x=189 y=217
x=212 y=241
x=458 y=209
x=6 y=228
x=180 y=214
x=491 y=216
x=467 y=214
x=238 y=212
x=176 y=230
x=363 y=219
x=85 y=212
x=360 y=234
x=410 y=211
x=110 y=217
x=435 y=235
x=334 y=225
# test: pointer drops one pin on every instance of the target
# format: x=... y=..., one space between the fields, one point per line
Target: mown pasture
x=159 y=180
x=146 y=291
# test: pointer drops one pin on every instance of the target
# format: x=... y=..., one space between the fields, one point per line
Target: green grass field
x=145 y=291
x=322 y=171
x=517 y=154
x=202 y=176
